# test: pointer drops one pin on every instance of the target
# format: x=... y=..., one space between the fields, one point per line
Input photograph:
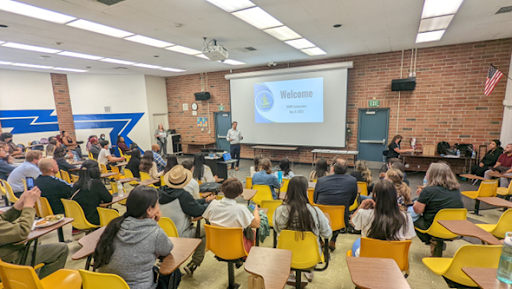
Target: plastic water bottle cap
x=508 y=239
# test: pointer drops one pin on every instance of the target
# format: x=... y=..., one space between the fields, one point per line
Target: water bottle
x=120 y=189
x=458 y=153
x=505 y=266
x=280 y=176
x=473 y=155
x=75 y=159
x=425 y=181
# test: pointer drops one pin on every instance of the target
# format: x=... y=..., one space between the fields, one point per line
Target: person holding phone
x=27 y=169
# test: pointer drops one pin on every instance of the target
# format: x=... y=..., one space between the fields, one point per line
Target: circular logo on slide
x=264 y=100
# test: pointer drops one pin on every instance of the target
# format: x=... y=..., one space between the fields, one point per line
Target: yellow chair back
x=263 y=193
x=24 y=184
x=311 y=194
x=43 y=208
x=73 y=210
x=162 y=182
x=505 y=191
x=336 y=214
x=91 y=157
x=10 y=193
x=284 y=187
x=65 y=176
x=271 y=206
x=58 y=176
x=128 y=174
x=248 y=182
x=118 y=175
x=486 y=189
x=503 y=226
x=94 y=280
x=396 y=250
x=305 y=253
x=103 y=168
x=106 y=215
x=226 y=243
x=74 y=178
x=436 y=230
x=145 y=176
x=364 y=188
x=354 y=206
x=169 y=227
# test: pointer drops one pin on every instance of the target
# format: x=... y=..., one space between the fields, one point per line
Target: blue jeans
x=356 y=246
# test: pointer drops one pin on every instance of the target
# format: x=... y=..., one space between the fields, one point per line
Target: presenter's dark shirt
x=391 y=151
x=336 y=190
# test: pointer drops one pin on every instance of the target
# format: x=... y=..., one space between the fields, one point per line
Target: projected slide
x=289 y=101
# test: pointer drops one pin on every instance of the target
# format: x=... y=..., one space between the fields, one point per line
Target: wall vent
x=109 y=2
x=108 y=109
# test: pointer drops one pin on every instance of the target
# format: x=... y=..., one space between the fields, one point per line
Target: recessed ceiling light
x=283 y=33
x=232 y=5
x=433 y=8
x=300 y=43
x=429 y=36
x=32 y=65
x=118 y=61
x=172 y=69
x=80 y=55
x=34 y=12
x=184 y=50
x=435 y=23
x=258 y=18
x=336 y=25
x=99 y=28
x=149 y=41
x=233 y=62
x=30 y=47
x=143 y=65
x=69 y=69
x=202 y=56
x=313 y=51
x=5 y=63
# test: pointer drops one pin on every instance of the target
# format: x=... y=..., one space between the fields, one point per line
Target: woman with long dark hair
x=172 y=160
x=89 y=192
x=59 y=155
x=380 y=218
x=395 y=149
x=131 y=243
x=284 y=166
x=134 y=163
x=122 y=145
x=201 y=171
x=490 y=158
x=321 y=170
x=148 y=165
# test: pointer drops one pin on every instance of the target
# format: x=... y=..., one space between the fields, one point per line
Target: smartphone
x=252 y=206
x=30 y=183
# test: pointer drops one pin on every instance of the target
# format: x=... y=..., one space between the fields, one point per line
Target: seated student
x=321 y=170
x=394 y=148
x=147 y=165
x=27 y=169
x=171 y=160
x=201 y=171
x=54 y=140
x=193 y=186
x=380 y=218
x=284 y=165
x=401 y=167
x=305 y=218
x=503 y=165
x=104 y=157
x=363 y=174
x=134 y=163
x=265 y=177
x=442 y=192
x=122 y=145
x=13 y=150
x=89 y=192
x=255 y=167
x=160 y=163
x=16 y=224
x=89 y=144
x=131 y=243
x=71 y=145
x=181 y=207
x=51 y=187
x=5 y=167
x=387 y=166
x=59 y=155
x=102 y=137
x=95 y=148
x=490 y=158
x=228 y=213
x=50 y=149
x=403 y=191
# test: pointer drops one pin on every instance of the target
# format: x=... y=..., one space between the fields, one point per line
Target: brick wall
x=63 y=103
x=448 y=103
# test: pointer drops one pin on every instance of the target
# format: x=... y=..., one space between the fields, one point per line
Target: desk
x=468 y=161
x=277 y=148
x=273 y=265
x=108 y=175
x=149 y=182
x=183 y=248
x=88 y=244
x=248 y=194
x=466 y=228
x=121 y=164
x=495 y=201
x=316 y=152
x=115 y=200
x=127 y=180
x=376 y=273
x=498 y=175
x=197 y=143
x=471 y=177
x=485 y=278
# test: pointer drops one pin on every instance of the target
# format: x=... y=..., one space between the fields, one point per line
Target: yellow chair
x=364 y=188
x=91 y=157
x=305 y=252
x=504 y=225
x=24 y=184
x=25 y=277
x=311 y=195
x=43 y=208
x=168 y=226
x=74 y=178
x=115 y=169
x=106 y=215
x=127 y=157
x=271 y=206
x=336 y=214
x=113 y=190
x=248 y=182
x=506 y=192
x=396 y=250
x=145 y=176
x=354 y=206
x=103 y=168
x=65 y=176
x=73 y=210
x=58 y=176
x=481 y=256
x=128 y=174
x=227 y=244
x=486 y=189
x=439 y=232
x=263 y=193
x=284 y=187
x=93 y=280
x=10 y=193
x=162 y=182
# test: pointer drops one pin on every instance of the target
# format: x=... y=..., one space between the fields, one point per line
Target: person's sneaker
x=309 y=276
x=190 y=268
x=292 y=281
x=332 y=246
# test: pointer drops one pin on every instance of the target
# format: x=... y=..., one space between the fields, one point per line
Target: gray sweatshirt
x=136 y=247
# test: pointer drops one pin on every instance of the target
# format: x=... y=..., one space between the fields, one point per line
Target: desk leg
x=256 y=236
x=24 y=256
x=34 y=252
x=88 y=262
x=60 y=232
x=198 y=229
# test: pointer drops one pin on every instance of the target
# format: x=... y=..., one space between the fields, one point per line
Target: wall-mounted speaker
x=202 y=95
x=403 y=84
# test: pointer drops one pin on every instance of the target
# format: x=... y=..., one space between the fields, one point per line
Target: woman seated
x=403 y=191
x=256 y=166
x=395 y=149
x=131 y=243
x=321 y=170
x=297 y=214
x=442 y=192
x=134 y=163
x=171 y=160
x=363 y=174
x=489 y=160
x=50 y=149
x=67 y=140
x=202 y=172
x=265 y=177
x=284 y=166
x=147 y=165
x=89 y=144
x=89 y=192
x=380 y=218
x=122 y=146
x=60 y=157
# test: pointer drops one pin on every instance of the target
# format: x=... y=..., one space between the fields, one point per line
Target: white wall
x=506 y=128
x=156 y=101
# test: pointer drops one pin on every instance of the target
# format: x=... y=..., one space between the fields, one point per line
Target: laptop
x=227 y=156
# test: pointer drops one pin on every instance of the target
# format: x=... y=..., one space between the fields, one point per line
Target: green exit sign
x=373 y=103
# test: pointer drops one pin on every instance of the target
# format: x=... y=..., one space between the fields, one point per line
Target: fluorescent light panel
x=184 y=50
x=69 y=69
x=233 y=62
x=232 y=5
x=433 y=8
x=5 y=63
x=258 y=18
x=283 y=33
x=2 y=42
x=99 y=28
x=143 y=65
x=429 y=36
x=435 y=23
x=80 y=55
x=149 y=41
x=300 y=43
x=30 y=47
x=34 y=12
x=313 y=51
x=32 y=65
x=202 y=56
x=118 y=61
x=172 y=69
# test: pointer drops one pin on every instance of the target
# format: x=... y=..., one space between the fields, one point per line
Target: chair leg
x=477 y=207
x=275 y=238
x=231 y=274
x=438 y=250
x=298 y=281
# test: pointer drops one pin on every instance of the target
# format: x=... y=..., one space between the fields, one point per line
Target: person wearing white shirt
x=104 y=157
x=193 y=186
x=234 y=137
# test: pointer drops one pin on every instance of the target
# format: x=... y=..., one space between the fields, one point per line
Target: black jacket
x=491 y=157
x=335 y=190
x=54 y=189
x=189 y=205
x=64 y=165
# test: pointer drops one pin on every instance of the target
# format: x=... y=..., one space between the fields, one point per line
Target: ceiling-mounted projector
x=216 y=53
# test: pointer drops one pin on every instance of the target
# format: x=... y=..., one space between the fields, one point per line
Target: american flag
x=493 y=76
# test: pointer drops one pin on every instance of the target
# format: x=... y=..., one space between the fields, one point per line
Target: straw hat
x=178 y=177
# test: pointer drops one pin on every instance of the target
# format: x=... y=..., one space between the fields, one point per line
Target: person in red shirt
x=503 y=166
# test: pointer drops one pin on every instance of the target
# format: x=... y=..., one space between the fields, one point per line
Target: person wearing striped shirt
x=51 y=187
x=160 y=163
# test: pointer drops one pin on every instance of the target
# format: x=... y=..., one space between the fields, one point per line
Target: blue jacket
x=336 y=190
x=262 y=178
x=5 y=169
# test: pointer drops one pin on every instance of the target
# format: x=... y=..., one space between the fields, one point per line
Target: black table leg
x=34 y=252
x=256 y=236
x=24 y=256
x=88 y=262
x=61 y=234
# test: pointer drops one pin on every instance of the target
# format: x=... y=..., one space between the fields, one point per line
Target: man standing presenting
x=234 y=137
